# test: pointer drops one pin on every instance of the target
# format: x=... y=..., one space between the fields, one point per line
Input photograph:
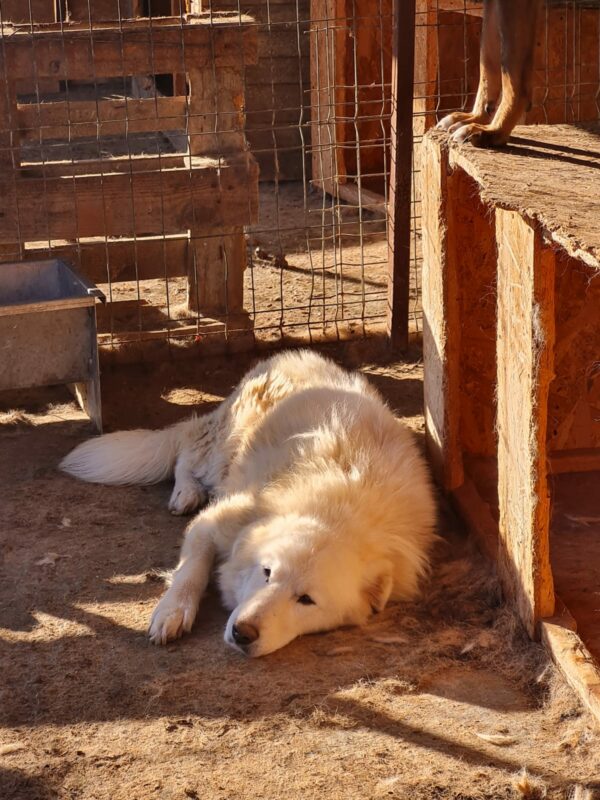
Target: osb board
x=549 y=173
x=525 y=336
x=575 y=550
x=574 y=401
x=472 y=247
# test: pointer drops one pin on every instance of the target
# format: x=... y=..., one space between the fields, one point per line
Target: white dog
x=322 y=506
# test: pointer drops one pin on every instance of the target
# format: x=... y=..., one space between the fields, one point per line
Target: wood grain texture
x=77 y=119
x=574 y=401
x=132 y=47
x=525 y=369
x=574 y=661
x=441 y=319
x=222 y=192
x=102 y=260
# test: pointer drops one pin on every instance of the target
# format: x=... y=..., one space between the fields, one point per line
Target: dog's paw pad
x=170 y=621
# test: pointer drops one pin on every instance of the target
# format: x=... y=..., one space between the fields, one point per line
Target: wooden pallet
x=141 y=214
x=511 y=301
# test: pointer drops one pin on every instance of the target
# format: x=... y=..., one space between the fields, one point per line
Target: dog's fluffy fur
x=322 y=506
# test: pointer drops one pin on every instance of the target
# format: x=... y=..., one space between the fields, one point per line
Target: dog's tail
x=126 y=457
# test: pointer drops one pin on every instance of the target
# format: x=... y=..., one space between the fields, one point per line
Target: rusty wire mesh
x=176 y=161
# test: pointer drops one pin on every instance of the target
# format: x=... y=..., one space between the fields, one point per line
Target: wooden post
x=426 y=66
x=525 y=369
x=216 y=127
x=399 y=209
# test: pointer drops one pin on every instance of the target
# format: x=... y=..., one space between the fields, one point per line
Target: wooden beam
x=525 y=339
x=400 y=192
x=103 y=260
x=62 y=120
x=222 y=192
x=133 y=47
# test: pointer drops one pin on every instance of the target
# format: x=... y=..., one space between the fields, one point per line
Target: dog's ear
x=378 y=586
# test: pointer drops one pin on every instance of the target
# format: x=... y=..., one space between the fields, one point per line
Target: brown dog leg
x=517 y=21
x=490 y=80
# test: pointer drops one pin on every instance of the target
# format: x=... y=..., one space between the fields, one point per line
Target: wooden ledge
x=550 y=174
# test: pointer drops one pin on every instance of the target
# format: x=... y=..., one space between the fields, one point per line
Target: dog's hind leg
x=188 y=494
x=209 y=534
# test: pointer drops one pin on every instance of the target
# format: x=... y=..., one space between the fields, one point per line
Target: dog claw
x=170 y=622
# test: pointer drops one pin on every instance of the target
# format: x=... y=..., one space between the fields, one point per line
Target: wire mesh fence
x=222 y=171
x=177 y=155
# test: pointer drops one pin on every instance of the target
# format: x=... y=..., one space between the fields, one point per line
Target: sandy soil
x=444 y=698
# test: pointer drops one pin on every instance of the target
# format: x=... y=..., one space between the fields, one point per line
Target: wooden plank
x=10 y=243
x=135 y=47
x=426 y=66
x=216 y=111
x=441 y=319
x=28 y=11
x=224 y=192
x=112 y=260
x=216 y=270
x=327 y=59
x=106 y=166
x=68 y=120
x=573 y=659
x=525 y=354
x=400 y=179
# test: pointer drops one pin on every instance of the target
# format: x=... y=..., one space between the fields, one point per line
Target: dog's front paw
x=479 y=135
x=187 y=499
x=171 y=619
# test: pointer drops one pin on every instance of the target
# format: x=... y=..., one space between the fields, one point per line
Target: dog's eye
x=306 y=600
x=267 y=572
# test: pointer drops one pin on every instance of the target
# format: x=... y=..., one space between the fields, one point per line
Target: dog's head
x=290 y=576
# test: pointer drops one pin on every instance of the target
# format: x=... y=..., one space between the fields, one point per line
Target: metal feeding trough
x=48 y=331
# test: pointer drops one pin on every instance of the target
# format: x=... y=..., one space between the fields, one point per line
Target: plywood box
x=511 y=301
x=132 y=187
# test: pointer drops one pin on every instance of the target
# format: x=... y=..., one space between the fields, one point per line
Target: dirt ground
x=444 y=698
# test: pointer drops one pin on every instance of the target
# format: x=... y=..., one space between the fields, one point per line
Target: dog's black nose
x=244 y=634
